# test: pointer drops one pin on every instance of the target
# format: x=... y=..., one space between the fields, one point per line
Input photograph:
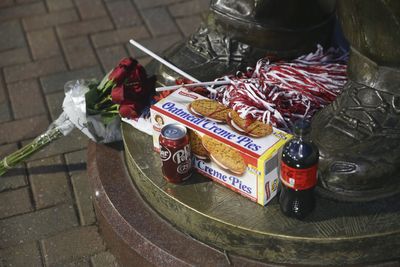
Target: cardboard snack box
x=245 y=164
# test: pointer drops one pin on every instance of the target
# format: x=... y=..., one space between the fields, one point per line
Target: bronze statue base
x=336 y=233
x=132 y=230
x=358 y=135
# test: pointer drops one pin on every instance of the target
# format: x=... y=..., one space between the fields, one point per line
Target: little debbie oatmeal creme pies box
x=239 y=155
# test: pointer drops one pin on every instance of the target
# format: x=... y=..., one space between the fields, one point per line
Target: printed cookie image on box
x=210 y=109
x=251 y=127
x=228 y=167
x=196 y=144
x=224 y=156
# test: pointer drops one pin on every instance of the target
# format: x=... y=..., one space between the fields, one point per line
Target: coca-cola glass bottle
x=298 y=173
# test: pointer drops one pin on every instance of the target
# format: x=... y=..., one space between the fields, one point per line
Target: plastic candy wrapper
x=282 y=92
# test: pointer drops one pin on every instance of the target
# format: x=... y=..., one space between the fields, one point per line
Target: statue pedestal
x=145 y=220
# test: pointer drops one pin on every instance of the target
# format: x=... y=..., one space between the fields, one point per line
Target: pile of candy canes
x=282 y=92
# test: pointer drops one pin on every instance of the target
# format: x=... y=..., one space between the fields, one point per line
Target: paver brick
x=110 y=56
x=84 y=262
x=15 y=202
x=23 y=129
x=11 y=34
x=104 y=259
x=145 y=60
x=83 y=197
x=50 y=19
x=26 y=99
x=18 y=11
x=54 y=104
x=55 y=82
x=7 y=149
x=79 y=52
x=153 y=3
x=34 y=69
x=55 y=5
x=123 y=13
x=205 y=3
x=49 y=182
x=14 y=56
x=84 y=27
x=159 y=21
x=6 y=3
x=64 y=242
x=81 y=188
x=25 y=1
x=5 y=112
x=120 y=36
x=43 y=43
x=72 y=245
x=189 y=25
x=36 y=225
x=22 y=255
x=3 y=94
x=90 y=8
x=15 y=177
x=74 y=141
x=188 y=8
x=76 y=162
x=157 y=45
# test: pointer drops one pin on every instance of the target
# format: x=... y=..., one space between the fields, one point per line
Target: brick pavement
x=46 y=213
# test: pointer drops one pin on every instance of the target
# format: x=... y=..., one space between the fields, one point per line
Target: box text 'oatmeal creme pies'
x=244 y=161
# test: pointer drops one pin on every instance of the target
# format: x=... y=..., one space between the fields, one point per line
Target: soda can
x=175 y=153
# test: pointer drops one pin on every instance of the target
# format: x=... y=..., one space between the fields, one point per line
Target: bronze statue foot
x=236 y=33
x=206 y=55
x=359 y=140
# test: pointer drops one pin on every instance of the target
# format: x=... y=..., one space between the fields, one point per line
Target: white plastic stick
x=163 y=61
x=174 y=87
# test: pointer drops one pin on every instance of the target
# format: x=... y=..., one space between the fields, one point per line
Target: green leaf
x=104 y=81
x=90 y=111
x=107 y=118
x=93 y=85
x=91 y=97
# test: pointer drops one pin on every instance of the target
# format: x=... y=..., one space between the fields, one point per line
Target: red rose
x=118 y=75
x=139 y=86
x=133 y=89
x=118 y=94
x=138 y=74
x=150 y=84
x=127 y=111
x=130 y=109
x=128 y=62
x=134 y=92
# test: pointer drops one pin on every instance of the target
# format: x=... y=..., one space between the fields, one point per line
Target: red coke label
x=175 y=153
x=299 y=179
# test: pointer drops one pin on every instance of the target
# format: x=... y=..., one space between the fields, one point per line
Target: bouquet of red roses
x=95 y=108
x=125 y=90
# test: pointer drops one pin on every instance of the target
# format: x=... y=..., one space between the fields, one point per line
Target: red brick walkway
x=46 y=214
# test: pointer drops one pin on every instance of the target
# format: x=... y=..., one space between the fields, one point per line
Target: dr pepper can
x=175 y=153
